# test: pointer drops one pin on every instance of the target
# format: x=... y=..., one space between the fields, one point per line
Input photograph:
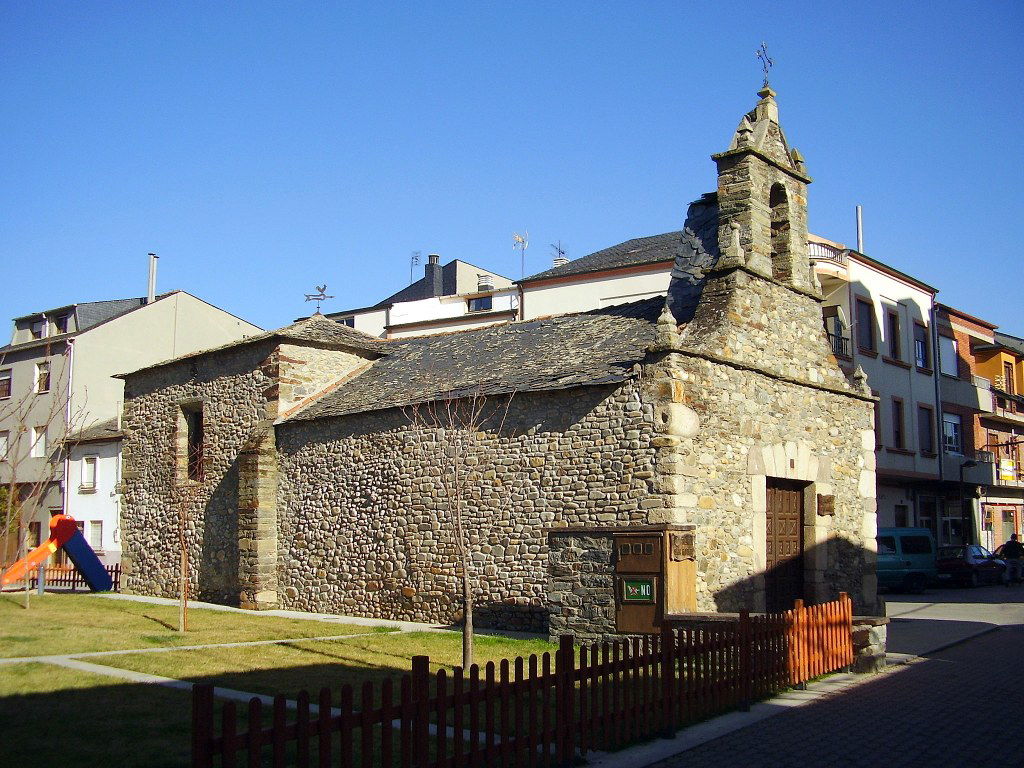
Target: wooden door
x=784 y=562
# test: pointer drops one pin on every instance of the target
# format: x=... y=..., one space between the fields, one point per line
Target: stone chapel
x=305 y=478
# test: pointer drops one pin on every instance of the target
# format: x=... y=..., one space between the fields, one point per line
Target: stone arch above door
x=797 y=461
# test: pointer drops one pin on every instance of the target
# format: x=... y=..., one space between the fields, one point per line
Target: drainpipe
x=67 y=427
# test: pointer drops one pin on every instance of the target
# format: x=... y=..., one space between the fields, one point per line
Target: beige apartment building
x=60 y=407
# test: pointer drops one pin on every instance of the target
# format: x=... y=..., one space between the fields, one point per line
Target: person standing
x=1013 y=553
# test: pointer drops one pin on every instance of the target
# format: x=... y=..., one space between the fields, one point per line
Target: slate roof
x=92 y=313
x=316 y=329
x=639 y=250
x=589 y=348
x=104 y=430
x=1011 y=342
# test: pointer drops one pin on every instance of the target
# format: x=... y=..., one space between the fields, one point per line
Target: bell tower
x=762 y=199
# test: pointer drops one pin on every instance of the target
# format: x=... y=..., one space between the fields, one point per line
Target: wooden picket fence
x=533 y=712
x=69 y=578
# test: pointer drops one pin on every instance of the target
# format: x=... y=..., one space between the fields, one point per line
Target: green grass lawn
x=313 y=664
x=68 y=623
x=56 y=717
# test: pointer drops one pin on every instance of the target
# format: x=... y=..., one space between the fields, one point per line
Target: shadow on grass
x=161 y=622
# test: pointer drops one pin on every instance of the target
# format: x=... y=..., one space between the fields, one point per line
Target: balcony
x=840 y=344
x=1006 y=408
x=982 y=474
x=973 y=394
x=830 y=266
x=822 y=252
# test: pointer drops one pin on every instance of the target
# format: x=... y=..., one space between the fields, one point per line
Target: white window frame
x=49 y=373
x=952 y=433
x=84 y=485
x=8 y=374
x=948 y=357
x=5 y=444
x=95 y=541
x=38 y=438
x=44 y=328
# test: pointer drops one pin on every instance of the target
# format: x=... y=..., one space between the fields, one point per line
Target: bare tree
x=453 y=426
x=188 y=492
x=37 y=428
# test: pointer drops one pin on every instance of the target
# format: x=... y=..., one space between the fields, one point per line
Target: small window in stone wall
x=190 y=442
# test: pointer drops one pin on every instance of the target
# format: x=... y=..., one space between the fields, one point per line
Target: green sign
x=638 y=590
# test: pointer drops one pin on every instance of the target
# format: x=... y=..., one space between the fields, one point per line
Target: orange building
x=981 y=378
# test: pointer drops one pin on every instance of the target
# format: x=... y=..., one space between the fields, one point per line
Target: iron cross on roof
x=766 y=61
x=319 y=296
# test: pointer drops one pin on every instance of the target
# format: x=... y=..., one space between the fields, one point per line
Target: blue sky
x=260 y=148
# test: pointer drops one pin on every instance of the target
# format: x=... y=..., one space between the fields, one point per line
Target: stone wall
x=365 y=528
x=234 y=388
x=581 y=589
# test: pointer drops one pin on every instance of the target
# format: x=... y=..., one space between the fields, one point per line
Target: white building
x=56 y=379
x=455 y=296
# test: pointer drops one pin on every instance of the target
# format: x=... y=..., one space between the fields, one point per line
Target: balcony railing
x=840 y=344
x=822 y=252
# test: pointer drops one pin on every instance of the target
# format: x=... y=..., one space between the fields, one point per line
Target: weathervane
x=319 y=296
x=766 y=62
x=522 y=242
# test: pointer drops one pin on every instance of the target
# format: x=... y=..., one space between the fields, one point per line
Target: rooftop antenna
x=559 y=257
x=766 y=62
x=320 y=295
x=414 y=262
x=522 y=242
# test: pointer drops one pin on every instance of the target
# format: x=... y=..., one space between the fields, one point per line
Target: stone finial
x=798 y=160
x=860 y=380
x=742 y=136
x=667 y=332
x=766 y=108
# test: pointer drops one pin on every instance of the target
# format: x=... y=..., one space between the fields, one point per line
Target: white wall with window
x=94 y=471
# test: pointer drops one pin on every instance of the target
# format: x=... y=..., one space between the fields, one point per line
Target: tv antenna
x=560 y=252
x=522 y=242
x=414 y=261
x=766 y=62
x=320 y=295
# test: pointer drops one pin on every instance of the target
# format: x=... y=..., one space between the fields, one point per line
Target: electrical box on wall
x=655 y=575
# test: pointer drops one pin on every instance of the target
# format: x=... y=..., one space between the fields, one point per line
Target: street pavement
x=960 y=705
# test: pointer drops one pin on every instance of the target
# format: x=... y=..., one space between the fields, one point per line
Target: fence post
x=746 y=665
x=564 y=721
x=799 y=629
x=202 y=725
x=668 y=681
x=420 y=710
x=41 y=580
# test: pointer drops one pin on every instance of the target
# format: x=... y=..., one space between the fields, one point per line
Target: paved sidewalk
x=954 y=708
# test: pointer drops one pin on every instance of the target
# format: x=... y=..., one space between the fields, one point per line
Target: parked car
x=906 y=559
x=969 y=565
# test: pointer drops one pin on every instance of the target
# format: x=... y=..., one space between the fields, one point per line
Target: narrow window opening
x=192 y=443
x=779 y=205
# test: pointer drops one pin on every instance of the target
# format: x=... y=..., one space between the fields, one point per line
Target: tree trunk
x=28 y=579
x=183 y=589
x=467 y=624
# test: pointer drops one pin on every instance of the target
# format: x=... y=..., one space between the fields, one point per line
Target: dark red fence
x=69 y=578
x=540 y=711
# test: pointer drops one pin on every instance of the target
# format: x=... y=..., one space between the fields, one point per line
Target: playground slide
x=64 y=533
